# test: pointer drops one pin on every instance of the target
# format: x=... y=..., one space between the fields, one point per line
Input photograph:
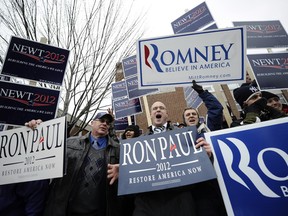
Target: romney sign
x=213 y=56
x=252 y=167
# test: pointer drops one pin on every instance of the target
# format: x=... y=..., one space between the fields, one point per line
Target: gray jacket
x=61 y=189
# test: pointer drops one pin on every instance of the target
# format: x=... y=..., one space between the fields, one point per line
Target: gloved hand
x=199 y=89
x=275 y=113
x=257 y=106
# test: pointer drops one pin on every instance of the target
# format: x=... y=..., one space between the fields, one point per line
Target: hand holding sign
x=33 y=123
x=201 y=142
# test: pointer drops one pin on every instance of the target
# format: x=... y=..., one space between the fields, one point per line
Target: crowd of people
x=90 y=185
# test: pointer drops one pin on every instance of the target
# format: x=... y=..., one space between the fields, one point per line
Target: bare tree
x=98 y=33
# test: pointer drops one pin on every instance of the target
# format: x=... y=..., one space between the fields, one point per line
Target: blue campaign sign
x=270 y=70
x=127 y=107
x=122 y=123
x=192 y=98
x=161 y=161
x=119 y=90
x=129 y=66
x=21 y=103
x=134 y=91
x=251 y=163
x=193 y=20
x=264 y=34
x=36 y=61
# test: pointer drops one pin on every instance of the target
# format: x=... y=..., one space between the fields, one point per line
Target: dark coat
x=170 y=202
x=215 y=111
x=24 y=198
x=200 y=199
x=61 y=189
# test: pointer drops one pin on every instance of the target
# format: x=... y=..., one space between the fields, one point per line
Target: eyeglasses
x=103 y=121
x=159 y=107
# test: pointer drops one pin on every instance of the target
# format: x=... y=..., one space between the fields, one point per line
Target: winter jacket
x=63 y=189
x=201 y=199
x=215 y=111
x=170 y=202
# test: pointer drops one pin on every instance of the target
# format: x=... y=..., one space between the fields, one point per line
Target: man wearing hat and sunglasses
x=87 y=189
x=254 y=106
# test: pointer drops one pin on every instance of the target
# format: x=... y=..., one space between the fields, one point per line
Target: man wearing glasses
x=86 y=189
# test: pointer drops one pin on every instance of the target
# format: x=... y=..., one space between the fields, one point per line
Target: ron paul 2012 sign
x=27 y=155
x=162 y=161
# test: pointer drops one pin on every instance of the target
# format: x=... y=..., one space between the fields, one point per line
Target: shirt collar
x=165 y=126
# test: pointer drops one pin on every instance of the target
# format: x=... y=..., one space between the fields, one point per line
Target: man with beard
x=175 y=201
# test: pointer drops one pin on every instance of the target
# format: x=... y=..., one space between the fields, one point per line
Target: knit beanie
x=269 y=95
x=134 y=128
x=242 y=93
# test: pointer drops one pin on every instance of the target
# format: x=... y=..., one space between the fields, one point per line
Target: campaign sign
x=122 y=123
x=264 y=34
x=270 y=70
x=35 y=61
x=126 y=107
x=161 y=161
x=21 y=103
x=192 y=98
x=193 y=20
x=133 y=89
x=119 y=90
x=214 y=56
x=129 y=66
x=251 y=163
x=27 y=155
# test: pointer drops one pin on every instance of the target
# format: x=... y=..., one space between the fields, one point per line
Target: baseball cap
x=103 y=115
x=243 y=93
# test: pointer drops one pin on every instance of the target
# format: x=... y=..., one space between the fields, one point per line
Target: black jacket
x=61 y=189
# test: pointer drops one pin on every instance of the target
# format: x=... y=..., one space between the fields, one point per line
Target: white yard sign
x=27 y=154
x=215 y=56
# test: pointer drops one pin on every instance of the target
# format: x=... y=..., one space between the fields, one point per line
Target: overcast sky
x=162 y=12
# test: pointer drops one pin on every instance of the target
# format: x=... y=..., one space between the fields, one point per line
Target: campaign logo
x=119 y=86
x=190 y=17
x=251 y=174
x=40 y=55
x=168 y=60
x=127 y=103
x=264 y=29
x=276 y=63
x=28 y=98
x=130 y=61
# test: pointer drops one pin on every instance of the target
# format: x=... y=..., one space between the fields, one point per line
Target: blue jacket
x=23 y=199
x=215 y=111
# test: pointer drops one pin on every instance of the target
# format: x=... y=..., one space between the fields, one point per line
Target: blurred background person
x=131 y=131
x=273 y=100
